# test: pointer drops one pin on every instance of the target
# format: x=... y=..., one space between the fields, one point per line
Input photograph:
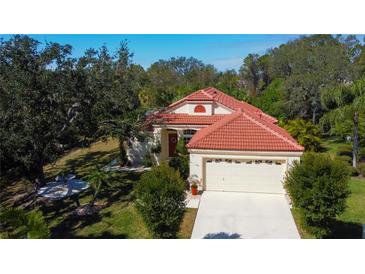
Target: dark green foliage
x=271 y=100
x=50 y=102
x=318 y=187
x=345 y=105
x=160 y=199
x=344 y=150
x=307 y=65
x=344 y=158
x=156 y=148
x=147 y=160
x=361 y=169
x=306 y=133
x=17 y=224
x=354 y=171
x=181 y=163
x=97 y=179
x=181 y=148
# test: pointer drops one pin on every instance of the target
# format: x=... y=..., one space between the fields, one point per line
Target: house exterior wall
x=184 y=108
x=218 y=109
x=188 y=108
x=137 y=150
x=197 y=157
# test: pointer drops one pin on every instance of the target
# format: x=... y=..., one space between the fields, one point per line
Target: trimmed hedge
x=318 y=187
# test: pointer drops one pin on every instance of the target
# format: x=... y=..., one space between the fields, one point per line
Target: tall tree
x=307 y=65
x=345 y=103
x=250 y=73
x=38 y=106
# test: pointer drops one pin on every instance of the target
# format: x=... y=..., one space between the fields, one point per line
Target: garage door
x=244 y=175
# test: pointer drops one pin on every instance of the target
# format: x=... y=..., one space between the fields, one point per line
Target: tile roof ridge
x=259 y=123
x=212 y=128
x=207 y=94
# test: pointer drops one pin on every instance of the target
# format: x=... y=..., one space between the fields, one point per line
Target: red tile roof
x=215 y=95
x=243 y=131
x=186 y=119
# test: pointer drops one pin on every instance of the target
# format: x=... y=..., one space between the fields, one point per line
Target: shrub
x=354 y=171
x=361 y=168
x=362 y=154
x=181 y=163
x=19 y=224
x=147 y=160
x=318 y=187
x=344 y=158
x=181 y=148
x=344 y=151
x=160 y=200
x=306 y=133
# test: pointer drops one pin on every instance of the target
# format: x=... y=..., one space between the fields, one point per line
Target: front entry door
x=172 y=144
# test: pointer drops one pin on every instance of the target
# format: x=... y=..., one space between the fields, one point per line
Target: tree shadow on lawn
x=120 y=187
x=104 y=235
x=345 y=230
x=66 y=228
x=83 y=163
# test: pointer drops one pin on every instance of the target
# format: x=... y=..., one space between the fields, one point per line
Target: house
x=233 y=145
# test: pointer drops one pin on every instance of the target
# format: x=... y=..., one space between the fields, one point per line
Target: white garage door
x=248 y=176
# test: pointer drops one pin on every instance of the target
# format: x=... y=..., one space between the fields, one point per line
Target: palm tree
x=97 y=179
x=345 y=102
x=19 y=224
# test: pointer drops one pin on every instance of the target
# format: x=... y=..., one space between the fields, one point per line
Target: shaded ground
x=118 y=218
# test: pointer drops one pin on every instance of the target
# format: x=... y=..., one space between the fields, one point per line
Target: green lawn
x=118 y=217
x=349 y=223
x=331 y=145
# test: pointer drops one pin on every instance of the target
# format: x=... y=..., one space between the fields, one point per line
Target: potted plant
x=194 y=188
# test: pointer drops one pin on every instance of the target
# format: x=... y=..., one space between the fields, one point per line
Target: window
x=199 y=109
x=188 y=134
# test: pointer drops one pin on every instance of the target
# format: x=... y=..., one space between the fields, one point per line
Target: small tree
x=161 y=199
x=181 y=161
x=318 y=187
x=19 y=224
x=97 y=179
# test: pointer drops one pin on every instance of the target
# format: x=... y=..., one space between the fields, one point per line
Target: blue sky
x=223 y=51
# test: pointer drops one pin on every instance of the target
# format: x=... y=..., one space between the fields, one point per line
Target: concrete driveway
x=238 y=215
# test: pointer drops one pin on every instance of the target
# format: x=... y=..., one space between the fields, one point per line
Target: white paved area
x=238 y=215
x=192 y=201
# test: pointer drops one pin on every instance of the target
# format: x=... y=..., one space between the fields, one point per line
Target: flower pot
x=194 y=190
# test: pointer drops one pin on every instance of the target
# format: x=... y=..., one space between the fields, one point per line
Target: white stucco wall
x=196 y=158
x=188 y=108
x=208 y=109
x=137 y=150
x=218 y=109
x=184 y=108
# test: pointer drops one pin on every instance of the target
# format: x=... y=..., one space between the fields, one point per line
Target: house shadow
x=222 y=235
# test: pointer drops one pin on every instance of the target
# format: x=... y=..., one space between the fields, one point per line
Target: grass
x=118 y=217
x=81 y=161
x=332 y=145
x=187 y=224
x=348 y=225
